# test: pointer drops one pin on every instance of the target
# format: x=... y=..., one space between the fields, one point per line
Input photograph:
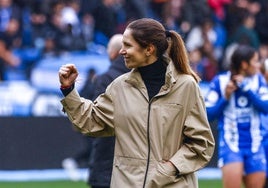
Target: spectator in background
x=101 y=159
x=201 y=33
x=183 y=16
x=242 y=23
x=118 y=13
x=105 y=21
x=245 y=33
x=54 y=27
x=172 y=16
x=195 y=57
x=10 y=35
x=64 y=33
x=87 y=28
x=209 y=60
x=156 y=111
x=39 y=26
x=262 y=22
x=235 y=13
x=157 y=8
x=136 y=9
x=218 y=8
x=87 y=19
x=261 y=27
x=200 y=43
x=70 y=36
x=203 y=62
x=236 y=99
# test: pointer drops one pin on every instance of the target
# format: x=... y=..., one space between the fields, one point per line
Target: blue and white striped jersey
x=239 y=118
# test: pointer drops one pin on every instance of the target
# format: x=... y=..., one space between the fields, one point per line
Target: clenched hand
x=67 y=75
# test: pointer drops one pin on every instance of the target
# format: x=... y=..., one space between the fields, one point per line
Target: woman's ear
x=244 y=65
x=150 y=50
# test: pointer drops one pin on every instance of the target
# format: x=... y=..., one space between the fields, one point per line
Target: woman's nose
x=122 y=51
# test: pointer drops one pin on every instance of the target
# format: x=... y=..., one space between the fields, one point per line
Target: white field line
x=61 y=174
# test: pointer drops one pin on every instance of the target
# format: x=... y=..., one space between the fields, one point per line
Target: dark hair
x=240 y=54
x=148 y=31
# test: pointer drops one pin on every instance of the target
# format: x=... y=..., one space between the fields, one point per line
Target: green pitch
x=81 y=184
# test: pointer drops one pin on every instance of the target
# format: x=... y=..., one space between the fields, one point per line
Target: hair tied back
x=168 y=33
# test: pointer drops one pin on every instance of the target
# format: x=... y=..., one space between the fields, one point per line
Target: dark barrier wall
x=41 y=142
x=37 y=143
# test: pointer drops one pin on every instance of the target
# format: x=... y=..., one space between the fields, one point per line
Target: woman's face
x=266 y=76
x=253 y=66
x=134 y=55
x=265 y=70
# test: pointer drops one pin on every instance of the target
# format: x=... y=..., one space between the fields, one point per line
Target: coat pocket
x=164 y=176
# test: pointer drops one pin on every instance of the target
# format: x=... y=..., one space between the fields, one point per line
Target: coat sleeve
x=198 y=143
x=91 y=118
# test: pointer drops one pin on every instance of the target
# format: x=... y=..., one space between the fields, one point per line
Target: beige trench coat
x=172 y=126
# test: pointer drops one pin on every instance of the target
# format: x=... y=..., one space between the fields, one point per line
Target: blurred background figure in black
x=101 y=159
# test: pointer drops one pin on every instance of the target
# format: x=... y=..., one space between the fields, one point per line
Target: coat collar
x=134 y=77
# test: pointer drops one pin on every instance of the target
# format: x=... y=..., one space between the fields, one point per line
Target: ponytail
x=179 y=55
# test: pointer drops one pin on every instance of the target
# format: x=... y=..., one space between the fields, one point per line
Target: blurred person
x=54 y=27
x=39 y=25
x=245 y=32
x=33 y=33
x=209 y=60
x=234 y=13
x=105 y=21
x=87 y=27
x=195 y=57
x=10 y=35
x=172 y=16
x=261 y=25
x=65 y=30
x=203 y=63
x=70 y=36
x=156 y=111
x=264 y=118
x=218 y=8
x=236 y=99
x=8 y=11
x=184 y=15
x=201 y=34
x=136 y=9
x=101 y=159
x=157 y=8
x=203 y=38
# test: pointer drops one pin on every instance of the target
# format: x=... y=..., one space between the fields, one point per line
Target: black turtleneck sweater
x=153 y=76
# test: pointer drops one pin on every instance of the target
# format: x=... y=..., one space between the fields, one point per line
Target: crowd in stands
x=210 y=28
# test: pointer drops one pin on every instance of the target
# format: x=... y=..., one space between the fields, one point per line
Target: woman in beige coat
x=156 y=111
